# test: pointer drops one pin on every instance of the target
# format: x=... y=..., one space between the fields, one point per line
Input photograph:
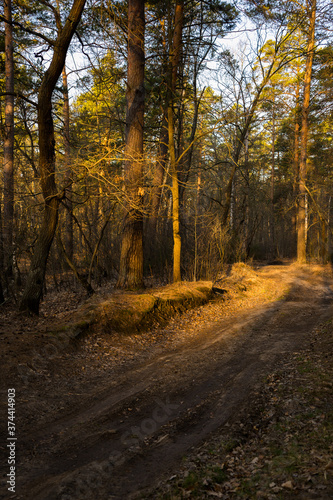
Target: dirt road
x=132 y=426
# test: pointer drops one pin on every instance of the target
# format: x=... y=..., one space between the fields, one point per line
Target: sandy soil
x=112 y=417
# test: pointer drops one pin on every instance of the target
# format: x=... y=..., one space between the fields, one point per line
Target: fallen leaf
x=288 y=485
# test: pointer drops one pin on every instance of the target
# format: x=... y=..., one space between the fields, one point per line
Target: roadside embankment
x=129 y=311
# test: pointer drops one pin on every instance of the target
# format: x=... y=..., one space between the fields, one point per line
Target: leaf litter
x=280 y=447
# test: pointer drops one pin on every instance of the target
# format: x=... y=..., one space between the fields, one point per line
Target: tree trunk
x=163 y=147
x=323 y=241
x=175 y=200
x=329 y=229
x=33 y=290
x=272 y=228
x=67 y=155
x=2 y=298
x=187 y=161
x=8 y=159
x=232 y=204
x=301 y=221
x=131 y=257
x=246 y=227
x=196 y=214
x=175 y=51
x=296 y=155
x=68 y=170
x=160 y=169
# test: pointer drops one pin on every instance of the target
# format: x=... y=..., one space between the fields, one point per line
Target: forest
x=161 y=140
x=166 y=277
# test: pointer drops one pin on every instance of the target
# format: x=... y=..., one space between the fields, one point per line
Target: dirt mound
x=241 y=270
x=243 y=278
x=130 y=312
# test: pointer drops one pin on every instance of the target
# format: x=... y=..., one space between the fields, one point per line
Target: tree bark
x=296 y=154
x=329 y=229
x=68 y=170
x=323 y=254
x=8 y=159
x=131 y=257
x=67 y=155
x=160 y=169
x=33 y=290
x=272 y=224
x=161 y=164
x=174 y=59
x=175 y=201
x=301 y=221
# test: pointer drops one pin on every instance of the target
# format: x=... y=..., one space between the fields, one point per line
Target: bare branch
x=29 y=30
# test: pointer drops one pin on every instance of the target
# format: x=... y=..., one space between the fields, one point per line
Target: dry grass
x=315 y=269
x=130 y=312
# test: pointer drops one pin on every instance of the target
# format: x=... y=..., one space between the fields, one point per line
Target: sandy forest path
x=129 y=428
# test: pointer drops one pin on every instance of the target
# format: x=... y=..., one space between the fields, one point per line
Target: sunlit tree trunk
x=301 y=220
x=131 y=258
x=33 y=290
x=68 y=170
x=196 y=214
x=175 y=200
x=174 y=64
x=8 y=159
x=296 y=153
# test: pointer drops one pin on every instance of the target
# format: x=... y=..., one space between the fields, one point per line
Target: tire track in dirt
x=109 y=451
